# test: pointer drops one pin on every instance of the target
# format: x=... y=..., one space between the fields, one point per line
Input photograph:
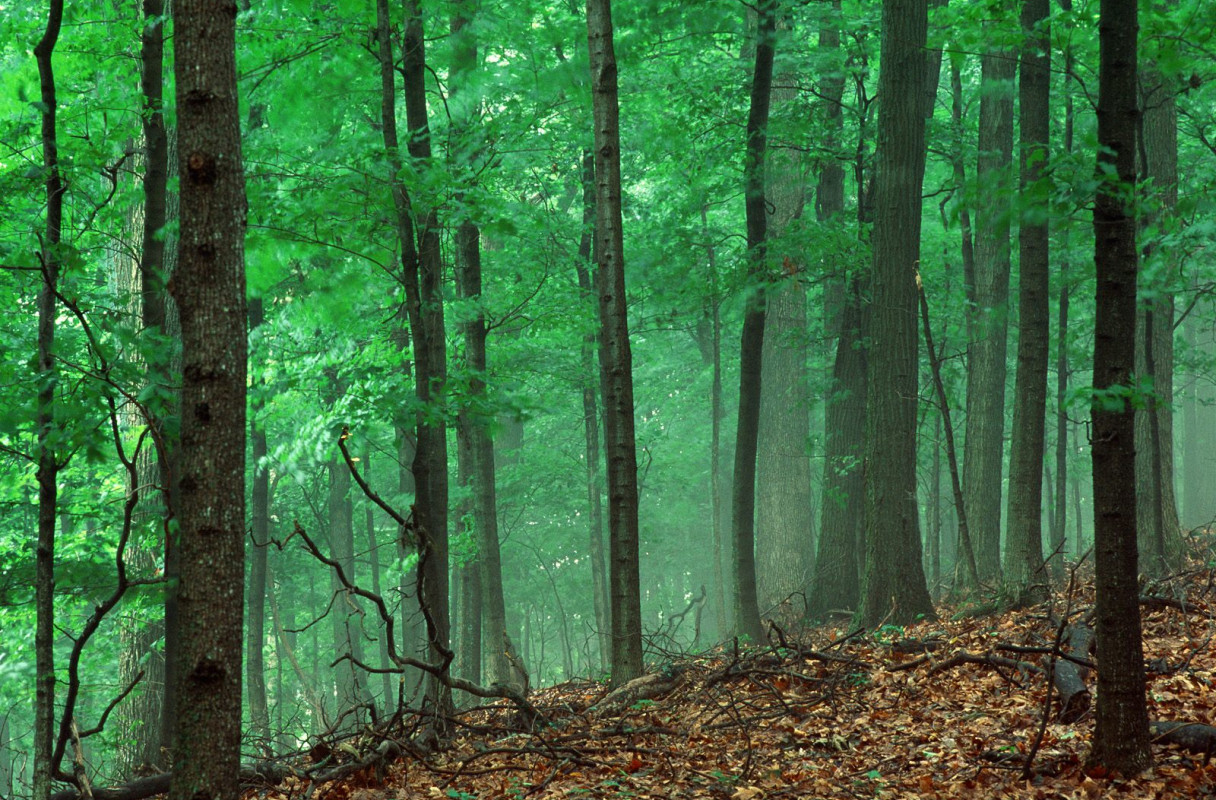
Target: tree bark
x=1025 y=582
x=894 y=585
x=48 y=465
x=751 y=350
x=785 y=546
x=616 y=360
x=1159 y=529
x=259 y=708
x=209 y=288
x=591 y=425
x=984 y=448
x=1121 y=735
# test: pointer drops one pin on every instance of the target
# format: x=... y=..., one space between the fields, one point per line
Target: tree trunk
x=616 y=360
x=785 y=545
x=591 y=425
x=48 y=465
x=984 y=448
x=1121 y=735
x=1160 y=532
x=842 y=529
x=209 y=287
x=344 y=612
x=894 y=585
x=751 y=350
x=259 y=709
x=424 y=275
x=1025 y=582
x=373 y=554
x=477 y=425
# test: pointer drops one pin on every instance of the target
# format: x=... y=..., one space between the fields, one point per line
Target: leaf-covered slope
x=944 y=709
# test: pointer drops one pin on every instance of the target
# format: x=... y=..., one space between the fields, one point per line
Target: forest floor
x=954 y=707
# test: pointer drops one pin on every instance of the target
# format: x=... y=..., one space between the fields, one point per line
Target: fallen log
x=1193 y=736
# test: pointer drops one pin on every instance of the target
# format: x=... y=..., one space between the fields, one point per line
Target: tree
x=616 y=360
x=209 y=288
x=784 y=509
x=751 y=348
x=1159 y=530
x=50 y=258
x=842 y=530
x=984 y=448
x=1024 y=548
x=1121 y=736
x=894 y=584
x=259 y=500
x=474 y=422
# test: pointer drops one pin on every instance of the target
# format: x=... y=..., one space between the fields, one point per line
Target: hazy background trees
x=380 y=177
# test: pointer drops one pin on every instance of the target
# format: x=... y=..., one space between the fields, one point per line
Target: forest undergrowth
x=961 y=706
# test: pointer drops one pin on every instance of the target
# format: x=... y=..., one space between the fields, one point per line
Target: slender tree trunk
x=984 y=447
x=616 y=360
x=958 y=165
x=1160 y=532
x=259 y=709
x=373 y=555
x=424 y=274
x=209 y=287
x=344 y=613
x=1025 y=582
x=48 y=465
x=477 y=426
x=591 y=425
x=743 y=490
x=894 y=584
x=1121 y=735
x=1059 y=533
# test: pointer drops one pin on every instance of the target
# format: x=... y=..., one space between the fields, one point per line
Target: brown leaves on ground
x=831 y=714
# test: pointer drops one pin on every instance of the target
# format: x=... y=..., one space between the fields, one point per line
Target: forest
x=467 y=397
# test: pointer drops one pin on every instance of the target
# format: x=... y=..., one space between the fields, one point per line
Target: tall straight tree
x=894 y=582
x=475 y=426
x=209 y=288
x=751 y=348
x=984 y=448
x=616 y=359
x=842 y=528
x=1024 y=548
x=422 y=267
x=1159 y=530
x=591 y=424
x=1121 y=734
x=785 y=546
x=48 y=465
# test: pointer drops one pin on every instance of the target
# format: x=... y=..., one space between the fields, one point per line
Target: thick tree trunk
x=838 y=562
x=616 y=360
x=751 y=351
x=894 y=586
x=1121 y=735
x=785 y=546
x=48 y=465
x=1025 y=581
x=984 y=448
x=209 y=288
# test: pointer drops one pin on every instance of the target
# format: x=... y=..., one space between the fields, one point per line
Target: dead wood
x=1193 y=736
x=647 y=687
